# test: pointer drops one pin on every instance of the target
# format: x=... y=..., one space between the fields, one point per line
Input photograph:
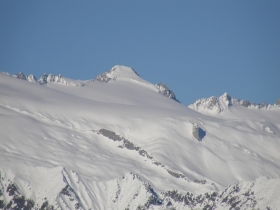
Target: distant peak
x=49 y=78
x=226 y=95
x=20 y=75
x=226 y=98
x=224 y=102
x=118 y=72
x=123 y=70
x=125 y=73
x=29 y=78
x=277 y=103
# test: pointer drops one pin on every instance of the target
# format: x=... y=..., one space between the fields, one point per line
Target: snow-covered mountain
x=120 y=73
x=116 y=143
x=214 y=105
x=116 y=73
x=126 y=73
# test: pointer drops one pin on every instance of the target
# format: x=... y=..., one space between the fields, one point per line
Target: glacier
x=120 y=142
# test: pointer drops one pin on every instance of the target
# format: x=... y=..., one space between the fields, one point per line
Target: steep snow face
x=216 y=105
x=123 y=73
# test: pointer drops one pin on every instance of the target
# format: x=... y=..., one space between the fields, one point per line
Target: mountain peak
x=224 y=102
x=125 y=73
x=226 y=96
x=227 y=99
x=29 y=78
x=119 y=72
x=277 y=103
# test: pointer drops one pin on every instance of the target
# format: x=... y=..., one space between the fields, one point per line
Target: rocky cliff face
x=164 y=90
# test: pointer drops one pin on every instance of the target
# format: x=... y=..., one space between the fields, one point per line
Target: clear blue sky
x=198 y=48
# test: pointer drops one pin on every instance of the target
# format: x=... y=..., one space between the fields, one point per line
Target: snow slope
x=119 y=144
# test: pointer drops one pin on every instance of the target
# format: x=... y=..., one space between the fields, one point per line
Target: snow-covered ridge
x=225 y=102
x=258 y=194
x=66 y=189
x=59 y=79
x=129 y=74
x=117 y=73
x=49 y=78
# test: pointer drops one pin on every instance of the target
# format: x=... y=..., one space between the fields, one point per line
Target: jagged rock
x=20 y=76
x=102 y=77
x=277 y=103
x=110 y=134
x=200 y=181
x=17 y=199
x=43 y=79
x=30 y=78
x=59 y=79
x=197 y=132
x=245 y=103
x=211 y=104
x=242 y=195
x=227 y=98
x=164 y=90
x=131 y=146
x=133 y=192
x=49 y=78
x=224 y=102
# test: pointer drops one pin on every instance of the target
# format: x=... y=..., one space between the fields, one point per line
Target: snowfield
x=120 y=142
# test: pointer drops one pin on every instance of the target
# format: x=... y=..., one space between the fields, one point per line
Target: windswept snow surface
x=120 y=144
